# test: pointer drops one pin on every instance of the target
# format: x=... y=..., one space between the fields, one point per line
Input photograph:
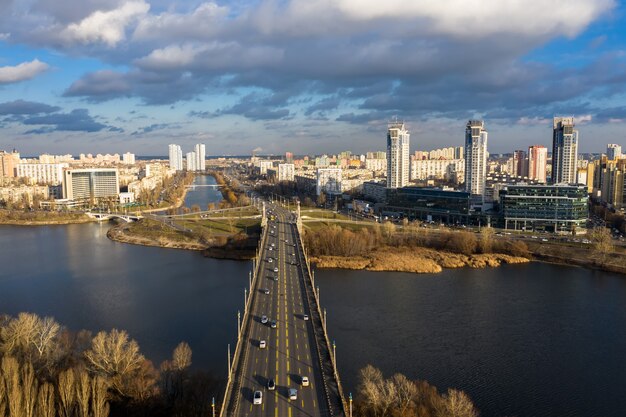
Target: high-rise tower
x=200 y=151
x=176 y=157
x=613 y=151
x=564 y=150
x=537 y=162
x=475 y=157
x=398 y=167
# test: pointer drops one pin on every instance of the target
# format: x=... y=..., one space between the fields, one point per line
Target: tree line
x=398 y=396
x=48 y=371
x=340 y=241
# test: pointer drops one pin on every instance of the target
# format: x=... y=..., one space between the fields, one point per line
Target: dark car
x=271 y=385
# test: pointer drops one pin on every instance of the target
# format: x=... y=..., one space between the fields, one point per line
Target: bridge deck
x=296 y=348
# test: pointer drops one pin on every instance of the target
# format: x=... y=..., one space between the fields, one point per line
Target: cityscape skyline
x=141 y=74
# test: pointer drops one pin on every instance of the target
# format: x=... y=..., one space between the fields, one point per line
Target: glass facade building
x=440 y=205
x=556 y=208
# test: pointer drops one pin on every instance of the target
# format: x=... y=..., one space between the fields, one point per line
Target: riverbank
x=148 y=232
x=416 y=260
x=41 y=218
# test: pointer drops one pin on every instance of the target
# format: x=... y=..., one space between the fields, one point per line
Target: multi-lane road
x=292 y=348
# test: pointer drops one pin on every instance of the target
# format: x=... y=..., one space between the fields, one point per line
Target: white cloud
x=107 y=27
x=21 y=72
x=198 y=24
x=459 y=18
x=582 y=119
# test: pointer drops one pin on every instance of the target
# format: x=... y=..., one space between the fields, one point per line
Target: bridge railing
x=324 y=331
x=234 y=373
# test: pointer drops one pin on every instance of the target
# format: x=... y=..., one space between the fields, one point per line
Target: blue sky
x=307 y=76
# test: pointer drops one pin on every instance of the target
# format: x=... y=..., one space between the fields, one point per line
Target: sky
x=306 y=76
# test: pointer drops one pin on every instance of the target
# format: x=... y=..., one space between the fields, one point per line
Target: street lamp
x=213 y=405
x=350 y=406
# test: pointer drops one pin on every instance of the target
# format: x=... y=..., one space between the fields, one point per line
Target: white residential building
x=191 y=160
x=376 y=165
x=329 y=181
x=564 y=151
x=200 y=151
x=264 y=165
x=176 y=157
x=286 y=172
x=90 y=183
x=448 y=169
x=475 y=157
x=51 y=174
x=397 y=155
x=128 y=158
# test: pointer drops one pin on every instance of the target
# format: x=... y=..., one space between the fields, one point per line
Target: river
x=532 y=340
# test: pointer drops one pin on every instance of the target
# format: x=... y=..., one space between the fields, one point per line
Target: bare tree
x=371 y=381
x=11 y=379
x=3 y=396
x=456 y=404
x=99 y=405
x=83 y=393
x=181 y=358
x=485 y=243
x=115 y=356
x=29 y=389
x=19 y=333
x=45 y=333
x=45 y=401
x=67 y=393
x=602 y=240
x=405 y=391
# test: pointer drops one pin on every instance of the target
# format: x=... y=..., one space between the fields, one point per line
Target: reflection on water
x=533 y=340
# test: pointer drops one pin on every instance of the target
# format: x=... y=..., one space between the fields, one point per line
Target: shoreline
x=117 y=234
x=414 y=260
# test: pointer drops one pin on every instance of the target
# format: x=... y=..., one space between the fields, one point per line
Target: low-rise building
x=555 y=208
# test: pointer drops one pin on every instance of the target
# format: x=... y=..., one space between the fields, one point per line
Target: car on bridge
x=264 y=319
x=258 y=398
x=271 y=385
x=274 y=324
x=305 y=317
x=262 y=344
x=293 y=394
x=269 y=260
x=266 y=291
x=305 y=381
x=275 y=269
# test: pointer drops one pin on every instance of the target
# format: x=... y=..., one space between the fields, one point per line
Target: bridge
x=109 y=216
x=292 y=345
x=194 y=186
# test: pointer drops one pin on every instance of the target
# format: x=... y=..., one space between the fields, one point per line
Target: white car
x=276 y=269
x=305 y=317
x=258 y=398
x=270 y=248
x=269 y=260
x=305 y=381
x=264 y=319
x=262 y=344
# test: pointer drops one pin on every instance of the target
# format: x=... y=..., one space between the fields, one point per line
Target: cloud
x=106 y=27
x=153 y=127
x=78 y=120
x=22 y=107
x=22 y=72
x=99 y=86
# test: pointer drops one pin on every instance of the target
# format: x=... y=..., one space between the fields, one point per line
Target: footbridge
x=110 y=216
x=283 y=363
